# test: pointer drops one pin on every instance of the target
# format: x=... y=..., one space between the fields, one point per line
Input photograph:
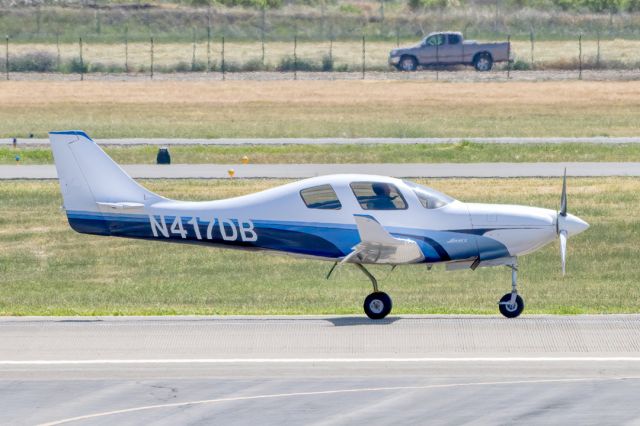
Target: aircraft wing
x=378 y=246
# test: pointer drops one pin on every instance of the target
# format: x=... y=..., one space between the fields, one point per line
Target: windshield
x=429 y=198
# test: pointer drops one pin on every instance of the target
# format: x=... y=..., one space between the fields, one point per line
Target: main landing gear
x=377 y=305
x=511 y=305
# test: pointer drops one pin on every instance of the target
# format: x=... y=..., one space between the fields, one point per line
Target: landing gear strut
x=377 y=305
x=511 y=304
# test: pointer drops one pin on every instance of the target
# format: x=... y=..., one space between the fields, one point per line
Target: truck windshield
x=429 y=198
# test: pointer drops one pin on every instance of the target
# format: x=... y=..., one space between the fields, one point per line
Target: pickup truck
x=448 y=48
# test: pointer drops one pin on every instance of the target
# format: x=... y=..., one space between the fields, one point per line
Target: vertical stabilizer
x=89 y=177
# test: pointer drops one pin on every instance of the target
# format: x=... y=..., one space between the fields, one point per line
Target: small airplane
x=357 y=219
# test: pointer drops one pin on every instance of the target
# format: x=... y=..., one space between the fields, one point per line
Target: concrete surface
x=336 y=141
x=320 y=370
x=294 y=171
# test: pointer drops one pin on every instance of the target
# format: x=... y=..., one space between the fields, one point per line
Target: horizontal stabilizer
x=128 y=206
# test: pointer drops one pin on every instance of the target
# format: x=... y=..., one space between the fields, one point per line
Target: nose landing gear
x=511 y=304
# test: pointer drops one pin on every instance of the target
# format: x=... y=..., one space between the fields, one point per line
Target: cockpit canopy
x=375 y=195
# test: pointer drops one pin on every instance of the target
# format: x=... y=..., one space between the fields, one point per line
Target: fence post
x=222 y=65
x=81 y=59
x=38 y=19
x=397 y=34
x=262 y=41
x=598 y=52
x=331 y=50
x=508 y=56
x=6 y=58
x=193 y=54
x=532 y=48
x=208 y=47
x=126 y=49
x=364 y=52
x=98 y=24
x=263 y=23
x=580 y=57
x=151 y=53
x=295 y=57
x=58 y=51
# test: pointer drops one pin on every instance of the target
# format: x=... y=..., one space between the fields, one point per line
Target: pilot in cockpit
x=383 y=200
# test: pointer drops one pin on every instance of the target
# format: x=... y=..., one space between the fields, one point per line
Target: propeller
x=560 y=224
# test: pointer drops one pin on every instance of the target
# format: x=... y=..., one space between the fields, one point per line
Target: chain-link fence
x=206 y=53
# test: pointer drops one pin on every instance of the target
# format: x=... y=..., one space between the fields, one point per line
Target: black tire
x=408 y=63
x=483 y=62
x=508 y=310
x=377 y=305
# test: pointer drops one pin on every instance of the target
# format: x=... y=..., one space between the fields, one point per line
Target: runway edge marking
x=319 y=393
x=321 y=360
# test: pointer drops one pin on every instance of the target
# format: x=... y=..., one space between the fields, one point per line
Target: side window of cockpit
x=321 y=197
x=378 y=196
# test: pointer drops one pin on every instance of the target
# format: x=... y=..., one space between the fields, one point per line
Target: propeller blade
x=563 y=198
x=563 y=250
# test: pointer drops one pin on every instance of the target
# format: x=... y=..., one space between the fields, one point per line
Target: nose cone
x=573 y=225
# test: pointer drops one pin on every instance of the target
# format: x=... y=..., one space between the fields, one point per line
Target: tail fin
x=90 y=180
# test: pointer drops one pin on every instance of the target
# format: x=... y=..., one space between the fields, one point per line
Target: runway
x=320 y=370
x=338 y=141
x=298 y=171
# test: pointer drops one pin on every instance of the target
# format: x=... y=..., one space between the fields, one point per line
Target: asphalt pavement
x=320 y=370
x=297 y=171
x=337 y=141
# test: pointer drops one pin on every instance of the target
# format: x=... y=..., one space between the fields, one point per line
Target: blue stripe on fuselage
x=314 y=239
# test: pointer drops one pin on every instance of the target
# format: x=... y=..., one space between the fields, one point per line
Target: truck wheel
x=483 y=62
x=407 y=63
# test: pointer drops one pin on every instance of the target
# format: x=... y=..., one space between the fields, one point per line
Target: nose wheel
x=511 y=304
x=378 y=304
x=511 y=308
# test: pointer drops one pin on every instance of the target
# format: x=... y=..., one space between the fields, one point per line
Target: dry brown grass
x=321 y=108
x=550 y=52
x=328 y=93
x=344 y=52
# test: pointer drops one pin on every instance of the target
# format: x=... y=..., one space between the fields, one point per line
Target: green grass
x=107 y=22
x=47 y=269
x=464 y=152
